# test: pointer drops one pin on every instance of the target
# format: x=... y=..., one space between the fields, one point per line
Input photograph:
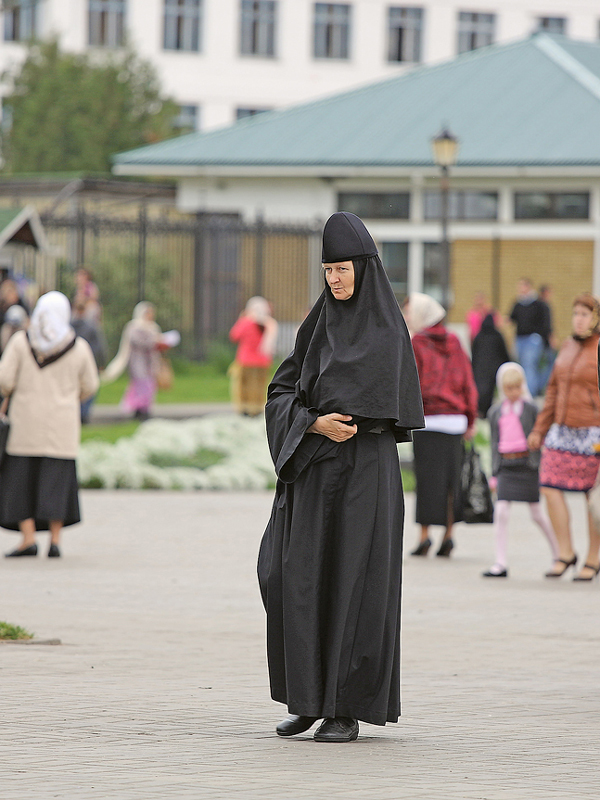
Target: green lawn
x=194 y=383
x=109 y=432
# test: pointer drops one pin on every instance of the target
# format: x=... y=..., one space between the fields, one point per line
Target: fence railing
x=199 y=272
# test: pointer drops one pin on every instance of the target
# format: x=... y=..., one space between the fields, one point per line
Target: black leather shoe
x=295 y=724
x=54 y=552
x=339 y=729
x=503 y=573
x=422 y=548
x=27 y=551
x=445 y=548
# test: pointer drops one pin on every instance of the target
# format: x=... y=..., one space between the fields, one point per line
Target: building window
x=432 y=270
x=395 y=260
x=20 y=20
x=552 y=25
x=258 y=28
x=187 y=119
x=332 y=30
x=106 y=23
x=405 y=26
x=552 y=205
x=375 y=206
x=182 y=25
x=244 y=113
x=462 y=205
x=475 y=30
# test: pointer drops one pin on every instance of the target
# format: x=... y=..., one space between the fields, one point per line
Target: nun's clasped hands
x=334 y=426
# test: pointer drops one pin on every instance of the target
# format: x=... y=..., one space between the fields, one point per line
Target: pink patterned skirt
x=571 y=472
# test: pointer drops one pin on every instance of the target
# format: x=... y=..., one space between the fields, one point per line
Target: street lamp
x=445 y=151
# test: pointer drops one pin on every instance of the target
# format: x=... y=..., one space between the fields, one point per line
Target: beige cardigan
x=44 y=411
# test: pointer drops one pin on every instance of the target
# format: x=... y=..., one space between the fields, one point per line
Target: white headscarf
x=500 y=377
x=423 y=312
x=258 y=309
x=50 y=329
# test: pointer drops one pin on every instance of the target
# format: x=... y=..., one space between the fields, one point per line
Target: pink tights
x=501 y=515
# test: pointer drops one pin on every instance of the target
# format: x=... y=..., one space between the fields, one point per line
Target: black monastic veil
x=330 y=560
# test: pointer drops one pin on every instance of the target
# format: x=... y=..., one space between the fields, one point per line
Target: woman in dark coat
x=330 y=560
x=488 y=353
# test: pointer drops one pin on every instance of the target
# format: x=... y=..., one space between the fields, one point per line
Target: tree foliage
x=70 y=111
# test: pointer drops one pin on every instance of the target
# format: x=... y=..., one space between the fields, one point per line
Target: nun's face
x=340 y=278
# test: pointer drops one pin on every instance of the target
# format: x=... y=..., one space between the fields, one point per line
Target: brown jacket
x=572 y=394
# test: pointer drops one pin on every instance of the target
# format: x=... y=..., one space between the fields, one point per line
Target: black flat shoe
x=446 y=548
x=503 y=573
x=594 y=569
x=295 y=724
x=26 y=551
x=566 y=565
x=422 y=549
x=53 y=552
x=339 y=729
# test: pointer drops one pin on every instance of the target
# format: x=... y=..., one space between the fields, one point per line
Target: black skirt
x=438 y=465
x=39 y=488
x=518 y=482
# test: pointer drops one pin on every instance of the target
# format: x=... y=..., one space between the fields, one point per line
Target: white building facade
x=221 y=60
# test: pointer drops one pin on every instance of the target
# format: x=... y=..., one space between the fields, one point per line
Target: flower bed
x=217 y=452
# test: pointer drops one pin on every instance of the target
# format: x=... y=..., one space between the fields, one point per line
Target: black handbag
x=477 y=505
x=4 y=428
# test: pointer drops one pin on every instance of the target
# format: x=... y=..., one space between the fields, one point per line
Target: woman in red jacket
x=450 y=405
x=255 y=333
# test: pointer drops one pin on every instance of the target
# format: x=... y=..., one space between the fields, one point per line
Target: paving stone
x=159 y=688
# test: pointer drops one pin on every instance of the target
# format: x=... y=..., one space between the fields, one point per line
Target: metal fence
x=198 y=271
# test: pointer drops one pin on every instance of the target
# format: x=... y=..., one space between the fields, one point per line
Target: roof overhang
x=358 y=171
x=25 y=228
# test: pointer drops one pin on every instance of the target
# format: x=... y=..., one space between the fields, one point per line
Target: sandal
x=566 y=566
x=594 y=569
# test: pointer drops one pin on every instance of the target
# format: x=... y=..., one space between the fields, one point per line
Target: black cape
x=330 y=560
x=488 y=353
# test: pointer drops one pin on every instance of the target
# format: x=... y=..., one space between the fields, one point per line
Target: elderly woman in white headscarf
x=45 y=372
x=139 y=354
x=450 y=406
x=255 y=333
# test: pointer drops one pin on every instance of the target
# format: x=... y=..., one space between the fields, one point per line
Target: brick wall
x=494 y=267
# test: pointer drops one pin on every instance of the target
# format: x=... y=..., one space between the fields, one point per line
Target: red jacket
x=445 y=372
x=248 y=335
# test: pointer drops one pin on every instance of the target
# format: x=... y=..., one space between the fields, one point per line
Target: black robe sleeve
x=288 y=421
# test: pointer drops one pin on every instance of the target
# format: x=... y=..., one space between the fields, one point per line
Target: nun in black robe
x=330 y=561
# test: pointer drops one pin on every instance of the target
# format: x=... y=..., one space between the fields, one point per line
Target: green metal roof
x=533 y=102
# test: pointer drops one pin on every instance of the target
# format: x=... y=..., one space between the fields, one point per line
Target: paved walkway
x=114 y=413
x=159 y=689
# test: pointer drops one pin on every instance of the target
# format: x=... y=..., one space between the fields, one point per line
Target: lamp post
x=445 y=151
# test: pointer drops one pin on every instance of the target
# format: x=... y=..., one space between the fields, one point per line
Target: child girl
x=514 y=467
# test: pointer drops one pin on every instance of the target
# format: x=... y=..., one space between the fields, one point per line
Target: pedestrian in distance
x=515 y=468
x=330 y=561
x=255 y=333
x=15 y=319
x=550 y=340
x=488 y=353
x=450 y=404
x=46 y=371
x=85 y=324
x=532 y=321
x=138 y=354
x=569 y=428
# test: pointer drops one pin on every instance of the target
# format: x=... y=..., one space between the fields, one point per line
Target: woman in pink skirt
x=569 y=428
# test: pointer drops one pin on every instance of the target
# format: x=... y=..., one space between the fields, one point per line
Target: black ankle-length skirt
x=438 y=465
x=330 y=572
x=39 y=488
